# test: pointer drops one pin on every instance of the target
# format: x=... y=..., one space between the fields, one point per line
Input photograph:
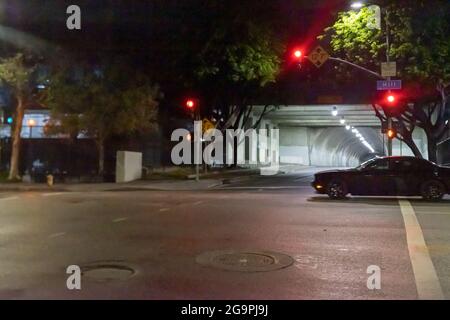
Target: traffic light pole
x=197 y=165
x=388 y=59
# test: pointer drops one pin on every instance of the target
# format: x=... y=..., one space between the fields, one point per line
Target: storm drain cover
x=107 y=271
x=245 y=260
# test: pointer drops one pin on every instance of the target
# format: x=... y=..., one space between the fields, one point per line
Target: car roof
x=407 y=158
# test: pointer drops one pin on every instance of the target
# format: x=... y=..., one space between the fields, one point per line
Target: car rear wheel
x=337 y=189
x=433 y=190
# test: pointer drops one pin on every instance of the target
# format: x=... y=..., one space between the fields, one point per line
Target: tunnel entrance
x=331 y=135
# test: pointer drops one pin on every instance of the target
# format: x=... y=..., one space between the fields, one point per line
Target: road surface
x=146 y=244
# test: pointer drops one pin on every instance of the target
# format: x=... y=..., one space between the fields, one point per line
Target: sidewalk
x=167 y=185
x=207 y=181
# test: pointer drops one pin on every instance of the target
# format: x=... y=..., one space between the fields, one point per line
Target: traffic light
x=6 y=117
x=391 y=99
x=394 y=104
x=391 y=134
x=297 y=57
x=190 y=104
x=298 y=54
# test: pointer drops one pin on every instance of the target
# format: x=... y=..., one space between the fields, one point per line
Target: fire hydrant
x=50 y=180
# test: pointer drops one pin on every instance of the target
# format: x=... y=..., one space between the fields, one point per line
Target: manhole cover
x=107 y=271
x=245 y=260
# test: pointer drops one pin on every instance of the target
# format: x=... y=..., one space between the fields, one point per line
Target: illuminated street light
x=347 y=127
x=342 y=120
x=357 y=5
x=31 y=123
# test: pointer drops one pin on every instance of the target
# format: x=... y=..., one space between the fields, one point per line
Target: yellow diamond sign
x=318 y=56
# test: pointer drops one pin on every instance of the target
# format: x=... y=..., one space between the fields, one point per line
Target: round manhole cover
x=107 y=272
x=245 y=260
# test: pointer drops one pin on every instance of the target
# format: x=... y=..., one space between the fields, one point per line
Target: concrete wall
x=294 y=146
x=128 y=166
x=401 y=149
x=328 y=146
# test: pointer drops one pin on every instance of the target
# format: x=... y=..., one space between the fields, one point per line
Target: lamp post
x=359 y=5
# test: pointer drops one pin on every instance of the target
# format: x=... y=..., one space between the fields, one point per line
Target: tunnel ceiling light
x=335 y=111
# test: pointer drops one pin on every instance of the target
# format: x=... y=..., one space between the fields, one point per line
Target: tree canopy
x=101 y=102
x=419 y=42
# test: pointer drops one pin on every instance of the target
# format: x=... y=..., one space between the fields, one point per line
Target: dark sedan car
x=388 y=176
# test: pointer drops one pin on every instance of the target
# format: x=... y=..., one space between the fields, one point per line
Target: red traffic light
x=190 y=104
x=390 y=98
x=298 y=54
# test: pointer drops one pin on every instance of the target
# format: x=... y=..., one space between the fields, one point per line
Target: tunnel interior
x=342 y=147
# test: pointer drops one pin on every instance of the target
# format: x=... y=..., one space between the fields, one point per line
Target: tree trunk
x=412 y=145
x=432 y=149
x=101 y=157
x=16 y=140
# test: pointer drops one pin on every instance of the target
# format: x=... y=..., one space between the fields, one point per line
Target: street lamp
x=342 y=121
x=357 y=5
x=31 y=124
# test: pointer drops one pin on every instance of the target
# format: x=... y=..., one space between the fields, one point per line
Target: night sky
x=141 y=30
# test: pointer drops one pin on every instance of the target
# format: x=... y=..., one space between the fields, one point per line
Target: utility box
x=128 y=166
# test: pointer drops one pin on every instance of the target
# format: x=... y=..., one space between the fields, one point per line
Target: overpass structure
x=331 y=135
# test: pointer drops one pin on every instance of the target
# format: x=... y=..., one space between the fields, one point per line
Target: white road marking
x=10 y=198
x=427 y=282
x=51 y=194
x=55 y=235
x=120 y=220
x=164 y=209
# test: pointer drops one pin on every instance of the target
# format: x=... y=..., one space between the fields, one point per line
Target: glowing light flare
x=357 y=5
x=298 y=54
x=190 y=104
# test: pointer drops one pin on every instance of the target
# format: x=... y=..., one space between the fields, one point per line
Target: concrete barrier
x=128 y=166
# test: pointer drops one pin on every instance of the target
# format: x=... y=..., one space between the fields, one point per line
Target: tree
x=420 y=43
x=101 y=102
x=16 y=73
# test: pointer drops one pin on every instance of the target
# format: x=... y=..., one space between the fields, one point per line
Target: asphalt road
x=146 y=244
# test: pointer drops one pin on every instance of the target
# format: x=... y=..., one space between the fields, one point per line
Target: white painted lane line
x=164 y=209
x=9 y=198
x=51 y=194
x=119 y=220
x=56 y=235
x=427 y=282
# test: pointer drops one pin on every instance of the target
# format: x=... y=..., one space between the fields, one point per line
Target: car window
x=382 y=164
x=404 y=165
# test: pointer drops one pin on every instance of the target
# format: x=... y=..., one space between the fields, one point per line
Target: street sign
x=318 y=56
x=389 y=85
x=389 y=69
